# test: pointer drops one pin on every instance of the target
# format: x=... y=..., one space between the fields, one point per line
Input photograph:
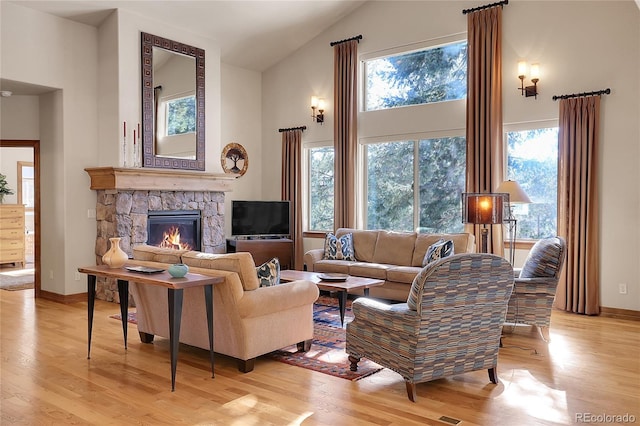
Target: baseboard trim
x=626 y=314
x=63 y=298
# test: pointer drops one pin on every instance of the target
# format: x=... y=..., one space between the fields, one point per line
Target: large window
x=532 y=161
x=320 y=186
x=181 y=116
x=393 y=168
x=430 y=75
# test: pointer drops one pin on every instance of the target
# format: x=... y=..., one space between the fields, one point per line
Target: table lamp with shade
x=516 y=196
x=483 y=209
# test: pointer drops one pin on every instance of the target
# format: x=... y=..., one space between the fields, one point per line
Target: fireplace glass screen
x=175 y=229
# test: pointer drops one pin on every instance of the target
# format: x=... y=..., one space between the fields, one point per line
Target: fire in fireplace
x=176 y=229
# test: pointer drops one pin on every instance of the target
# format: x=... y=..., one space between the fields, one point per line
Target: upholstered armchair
x=451 y=323
x=535 y=284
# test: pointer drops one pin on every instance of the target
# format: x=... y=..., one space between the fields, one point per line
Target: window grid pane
x=532 y=161
x=321 y=189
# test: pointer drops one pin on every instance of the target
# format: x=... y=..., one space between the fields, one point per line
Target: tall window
x=181 y=116
x=532 y=161
x=393 y=168
x=430 y=75
x=320 y=217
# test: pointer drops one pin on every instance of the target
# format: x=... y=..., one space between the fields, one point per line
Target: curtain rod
x=577 y=95
x=486 y=6
x=358 y=37
x=293 y=128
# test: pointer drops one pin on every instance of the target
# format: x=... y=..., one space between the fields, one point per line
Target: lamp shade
x=515 y=191
x=482 y=208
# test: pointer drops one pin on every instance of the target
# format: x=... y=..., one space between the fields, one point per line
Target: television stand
x=264 y=250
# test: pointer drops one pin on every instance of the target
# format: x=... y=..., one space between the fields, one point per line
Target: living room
x=94 y=77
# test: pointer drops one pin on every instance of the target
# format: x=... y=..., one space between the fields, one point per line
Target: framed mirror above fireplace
x=173 y=98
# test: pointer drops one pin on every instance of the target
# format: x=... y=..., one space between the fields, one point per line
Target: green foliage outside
x=4 y=187
x=181 y=116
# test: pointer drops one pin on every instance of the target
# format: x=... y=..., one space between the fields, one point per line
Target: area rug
x=18 y=279
x=327 y=353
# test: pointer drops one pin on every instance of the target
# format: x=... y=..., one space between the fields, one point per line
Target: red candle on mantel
x=125 y=129
x=134 y=136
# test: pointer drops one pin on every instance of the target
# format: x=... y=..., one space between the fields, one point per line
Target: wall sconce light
x=317 y=103
x=535 y=77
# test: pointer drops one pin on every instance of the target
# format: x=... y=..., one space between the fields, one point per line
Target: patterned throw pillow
x=438 y=250
x=269 y=273
x=339 y=248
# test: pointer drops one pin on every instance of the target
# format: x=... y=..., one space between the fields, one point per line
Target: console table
x=263 y=250
x=175 y=288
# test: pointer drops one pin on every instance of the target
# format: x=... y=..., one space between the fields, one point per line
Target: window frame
x=306 y=194
x=523 y=243
x=397 y=51
x=362 y=177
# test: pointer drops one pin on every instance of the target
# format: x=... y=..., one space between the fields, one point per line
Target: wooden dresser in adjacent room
x=12 y=232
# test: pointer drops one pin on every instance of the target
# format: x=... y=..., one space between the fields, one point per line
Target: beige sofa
x=395 y=257
x=249 y=320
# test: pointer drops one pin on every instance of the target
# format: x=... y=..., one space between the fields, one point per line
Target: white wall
x=241 y=116
x=580 y=45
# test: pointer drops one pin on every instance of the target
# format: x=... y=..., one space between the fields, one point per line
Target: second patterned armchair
x=451 y=323
x=535 y=284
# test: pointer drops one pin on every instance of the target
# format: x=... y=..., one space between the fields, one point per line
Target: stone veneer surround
x=125 y=196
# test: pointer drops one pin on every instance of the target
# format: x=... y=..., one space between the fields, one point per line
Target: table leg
x=208 y=300
x=123 y=294
x=366 y=292
x=342 y=303
x=175 y=317
x=91 y=301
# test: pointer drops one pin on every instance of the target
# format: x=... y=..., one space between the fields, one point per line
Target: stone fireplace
x=125 y=197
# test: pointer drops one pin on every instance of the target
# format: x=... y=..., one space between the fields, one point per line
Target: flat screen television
x=260 y=219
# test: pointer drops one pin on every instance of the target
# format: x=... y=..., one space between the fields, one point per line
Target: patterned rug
x=327 y=353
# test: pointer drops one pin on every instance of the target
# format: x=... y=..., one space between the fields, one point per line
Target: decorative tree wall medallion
x=234 y=159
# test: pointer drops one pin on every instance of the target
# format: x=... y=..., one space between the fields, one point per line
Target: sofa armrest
x=311 y=257
x=394 y=316
x=535 y=285
x=268 y=300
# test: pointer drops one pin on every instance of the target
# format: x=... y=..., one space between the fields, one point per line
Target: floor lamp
x=516 y=196
x=483 y=209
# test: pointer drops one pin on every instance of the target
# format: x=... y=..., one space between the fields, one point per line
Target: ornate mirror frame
x=149 y=157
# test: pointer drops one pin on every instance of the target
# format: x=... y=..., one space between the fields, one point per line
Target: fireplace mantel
x=147 y=179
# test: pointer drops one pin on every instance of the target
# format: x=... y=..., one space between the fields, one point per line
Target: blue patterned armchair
x=451 y=323
x=535 y=284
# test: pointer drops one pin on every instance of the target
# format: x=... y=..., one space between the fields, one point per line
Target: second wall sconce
x=535 y=77
x=317 y=103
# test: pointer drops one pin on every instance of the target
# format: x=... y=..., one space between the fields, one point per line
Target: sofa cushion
x=241 y=263
x=402 y=274
x=157 y=254
x=395 y=248
x=269 y=273
x=364 y=242
x=369 y=270
x=462 y=243
x=326 y=265
x=339 y=248
x=438 y=250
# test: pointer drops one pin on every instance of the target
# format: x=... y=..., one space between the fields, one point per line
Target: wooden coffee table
x=342 y=287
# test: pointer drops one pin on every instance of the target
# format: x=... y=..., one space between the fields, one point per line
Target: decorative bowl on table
x=332 y=276
x=178 y=270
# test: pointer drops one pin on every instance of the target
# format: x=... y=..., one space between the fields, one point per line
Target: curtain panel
x=485 y=149
x=291 y=189
x=578 y=218
x=345 y=131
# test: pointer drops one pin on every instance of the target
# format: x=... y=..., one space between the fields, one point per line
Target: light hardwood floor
x=591 y=365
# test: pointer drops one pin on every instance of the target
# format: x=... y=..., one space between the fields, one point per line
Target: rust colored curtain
x=485 y=150
x=345 y=131
x=579 y=288
x=291 y=189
